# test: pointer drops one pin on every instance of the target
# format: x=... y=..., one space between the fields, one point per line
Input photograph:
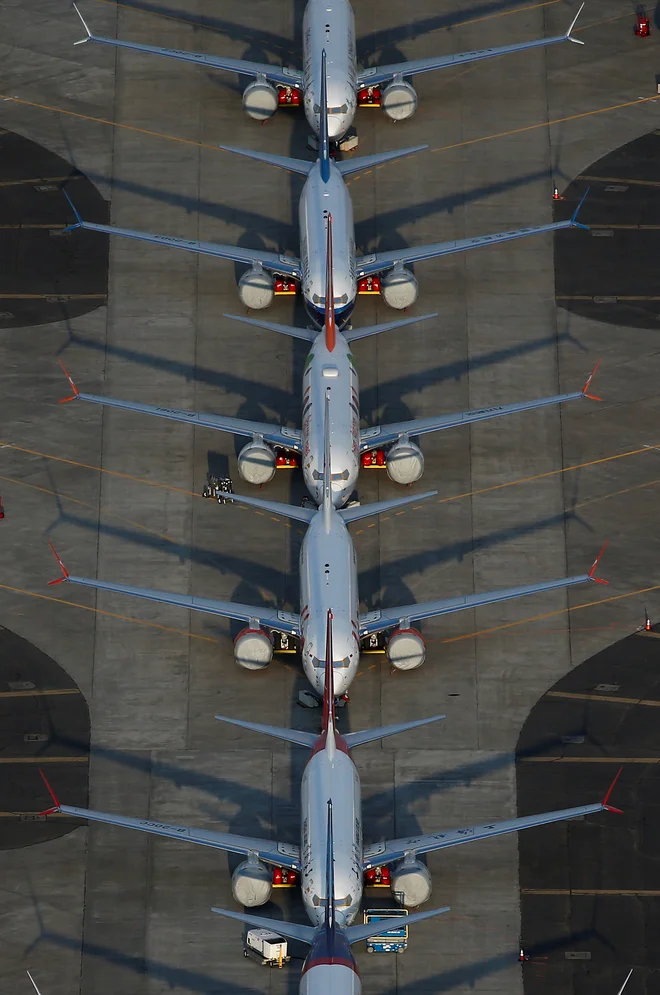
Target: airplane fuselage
x=331 y=372
x=331 y=775
x=330 y=25
x=328 y=582
x=335 y=978
x=319 y=199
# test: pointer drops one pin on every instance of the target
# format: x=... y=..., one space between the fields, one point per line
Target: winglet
x=56 y=802
x=574 y=221
x=606 y=806
x=84 y=24
x=34 y=983
x=58 y=580
x=569 y=36
x=79 y=221
x=592 y=573
x=324 y=138
x=330 y=326
x=76 y=392
x=585 y=389
x=329 y=684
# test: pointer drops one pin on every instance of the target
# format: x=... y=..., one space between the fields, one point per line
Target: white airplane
x=324 y=193
x=328 y=582
x=330 y=371
x=330 y=24
x=330 y=776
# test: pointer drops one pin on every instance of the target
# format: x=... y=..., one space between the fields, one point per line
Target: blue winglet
x=574 y=222
x=79 y=221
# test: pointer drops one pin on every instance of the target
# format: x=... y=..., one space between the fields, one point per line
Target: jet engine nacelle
x=399 y=100
x=251 y=883
x=253 y=650
x=256 y=289
x=411 y=883
x=399 y=288
x=256 y=463
x=405 y=462
x=405 y=649
x=260 y=100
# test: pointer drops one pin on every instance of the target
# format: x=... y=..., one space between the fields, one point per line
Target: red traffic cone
x=647 y=625
x=2 y=510
x=556 y=195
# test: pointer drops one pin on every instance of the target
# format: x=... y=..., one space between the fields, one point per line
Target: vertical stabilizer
x=328 y=507
x=330 y=874
x=329 y=722
x=324 y=139
x=330 y=326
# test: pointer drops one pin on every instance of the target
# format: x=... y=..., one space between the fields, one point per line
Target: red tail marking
x=56 y=802
x=330 y=327
x=76 y=392
x=610 y=808
x=65 y=572
x=329 y=686
x=585 y=389
x=592 y=572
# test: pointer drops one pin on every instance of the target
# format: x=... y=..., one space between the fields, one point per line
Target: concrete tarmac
x=101 y=910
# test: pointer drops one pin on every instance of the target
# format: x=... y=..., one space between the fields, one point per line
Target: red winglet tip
x=611 y=808
x=608 y=794
x=65 y=572
x=76 y=392
x=56 y=803
x=585 y=389
x=592 y=573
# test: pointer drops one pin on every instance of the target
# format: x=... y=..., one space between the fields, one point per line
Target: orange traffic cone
x=647 y=624
x=556 y=195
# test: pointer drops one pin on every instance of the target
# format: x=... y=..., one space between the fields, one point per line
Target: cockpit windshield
x=335 y=663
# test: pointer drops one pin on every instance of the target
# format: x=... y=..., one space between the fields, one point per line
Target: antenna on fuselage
x=324 y=138
x=330 y=875
x=330 y=326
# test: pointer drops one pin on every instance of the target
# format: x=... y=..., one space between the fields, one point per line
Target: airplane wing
x=378 y=75
x=382 y=435
x=386 y=618
x=273 y=618
x=377 y=262
x=272 y=261
x=281 y=854
x=276 y=74
x=384 y=853
x=277 y=435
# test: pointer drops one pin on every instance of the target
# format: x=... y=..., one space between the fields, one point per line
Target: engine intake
x=256 y=462
x=399 y=100
x=251 y=883
x=406 y=649
x=399 y=288
x=256 y=288
x=405 y=462
x=253 y=650
x=411 y=883
x=260 y=99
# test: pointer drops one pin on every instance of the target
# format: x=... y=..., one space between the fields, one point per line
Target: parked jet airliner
x=330 y=371
x=325 y=193
x=330 y=782
x=328 y=581
x=330 y=24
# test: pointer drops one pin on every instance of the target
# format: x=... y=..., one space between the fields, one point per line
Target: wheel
x=245 y=953
x=370 y=950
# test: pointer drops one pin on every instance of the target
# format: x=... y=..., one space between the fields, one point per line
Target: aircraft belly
x=338 y=780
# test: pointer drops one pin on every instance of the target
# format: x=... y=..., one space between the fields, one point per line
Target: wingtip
x=79 y=220
x=608 y=794
x=569 y=33
x=88 y=33
x=65 y=572
x=76 y=392
x=585 y=389
x=56 y=802
x=592 y=573
x=574 y=221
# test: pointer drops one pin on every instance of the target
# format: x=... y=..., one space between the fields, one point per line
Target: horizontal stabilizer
x=291 y=930
x=378 y=507
x=356 y=933
x=353 y=334
x=293 y=511
x=301 y=166
x=371 y=735
x=307 y=739
x=306 y=334
x=349 y=166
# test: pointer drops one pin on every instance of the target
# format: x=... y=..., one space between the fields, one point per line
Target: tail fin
x=329 y=721
x=362 y=932
x=292 y=930
x=295 y=736
x=330 y=874
x=324 y=139
x=327 y=469
x=330 y=327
